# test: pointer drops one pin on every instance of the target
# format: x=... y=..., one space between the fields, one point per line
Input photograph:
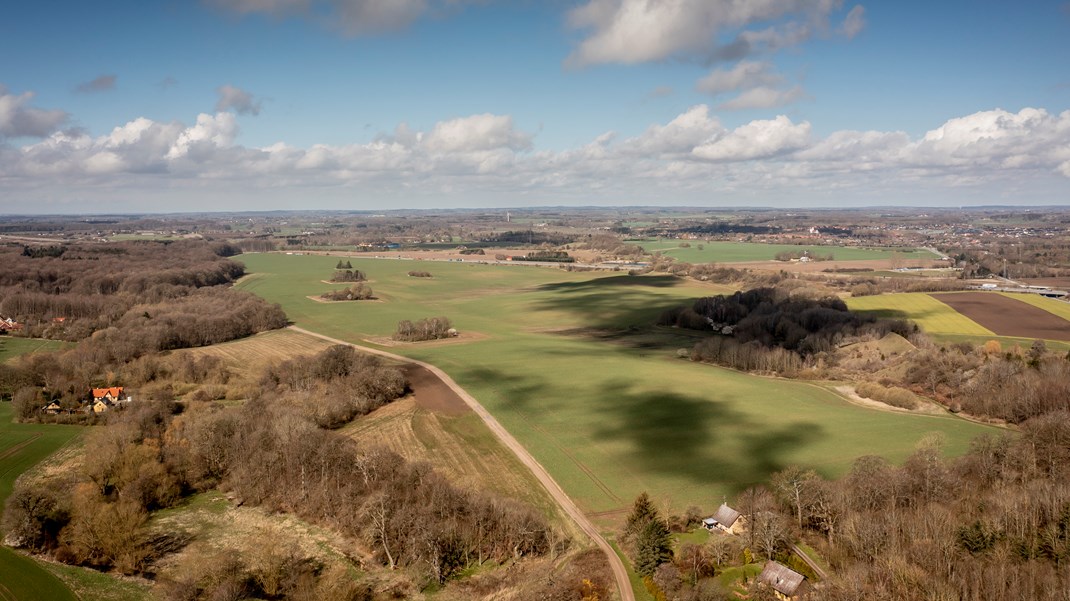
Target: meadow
x=11 y=347
x=719 y=251
x=21 y=447
x=570 y=364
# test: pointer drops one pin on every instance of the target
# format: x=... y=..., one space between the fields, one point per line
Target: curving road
x=620 y=574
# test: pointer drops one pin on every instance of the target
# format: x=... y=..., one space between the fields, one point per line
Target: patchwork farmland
x=608 y=417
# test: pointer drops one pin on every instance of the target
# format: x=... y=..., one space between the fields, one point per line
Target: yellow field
x=926 y=310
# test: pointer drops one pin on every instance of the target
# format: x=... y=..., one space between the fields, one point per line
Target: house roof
x=116 y=392
x=783 y=579
x=726 y=515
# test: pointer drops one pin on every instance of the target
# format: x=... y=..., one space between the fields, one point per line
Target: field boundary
x=620 y=573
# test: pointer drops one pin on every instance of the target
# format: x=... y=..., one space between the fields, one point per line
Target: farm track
x=620 y=574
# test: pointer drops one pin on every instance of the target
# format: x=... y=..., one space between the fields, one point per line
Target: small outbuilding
x=787 y=584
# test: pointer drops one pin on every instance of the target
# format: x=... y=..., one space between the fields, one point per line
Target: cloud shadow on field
x=678 y=434
x=702 y=438
x=612 y=302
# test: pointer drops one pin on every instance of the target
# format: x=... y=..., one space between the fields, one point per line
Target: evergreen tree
x=653 y=546
x=340 y=265
x=642 y=511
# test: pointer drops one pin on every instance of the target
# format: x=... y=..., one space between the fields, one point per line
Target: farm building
x=787 y=584
x=106 y=398
x=9 y=325
x=53 y=408
x=114 y=393
x=725 y=519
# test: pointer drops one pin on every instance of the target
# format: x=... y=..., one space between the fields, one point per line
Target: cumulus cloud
x=755 y=140
x=352 y=17
x=476 y=133
x=237 y=99
x=636 y=31
x=691 y=157
x=854 y=22
x=100 y=83
x=17 y=119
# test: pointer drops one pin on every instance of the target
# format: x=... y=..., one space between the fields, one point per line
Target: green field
x=609 y=417
x=12 y=347
x=21 y=447
x=719 y=251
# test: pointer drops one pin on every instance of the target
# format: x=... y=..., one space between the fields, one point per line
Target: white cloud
x=636 y=31
x=854 y=22
x=690 y=158
x=755 y=140
x=18 y=120
x=679 y=136
x=476 y=133
x=231 y=97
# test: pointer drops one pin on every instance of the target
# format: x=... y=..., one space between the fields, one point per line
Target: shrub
x=429 y=328
x=353 y=293
x=349 y=275
x=419 y=274
x=894 y=396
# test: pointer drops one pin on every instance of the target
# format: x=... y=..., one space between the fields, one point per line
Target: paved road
x=563 y=500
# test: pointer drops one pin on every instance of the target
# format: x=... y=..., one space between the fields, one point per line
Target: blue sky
x=365 y=104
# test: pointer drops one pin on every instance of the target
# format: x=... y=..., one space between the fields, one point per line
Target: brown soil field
x=432 y=393
x=1007 y=316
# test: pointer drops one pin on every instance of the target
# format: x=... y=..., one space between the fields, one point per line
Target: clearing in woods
x=608 y=416
x=11 y=347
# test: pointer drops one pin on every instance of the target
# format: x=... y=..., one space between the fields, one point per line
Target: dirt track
x=1006 y=316
x=567 y=505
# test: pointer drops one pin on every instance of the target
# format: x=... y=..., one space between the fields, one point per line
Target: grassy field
x=719 y=251
x=609 y=416
x=13 y=347
x=21 y=447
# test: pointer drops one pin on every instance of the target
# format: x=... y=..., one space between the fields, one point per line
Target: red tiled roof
x=116 y=392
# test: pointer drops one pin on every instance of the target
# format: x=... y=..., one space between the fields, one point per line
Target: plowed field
x=1007 y=316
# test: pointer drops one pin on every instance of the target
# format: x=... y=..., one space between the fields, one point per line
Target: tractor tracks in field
x=567 y=505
